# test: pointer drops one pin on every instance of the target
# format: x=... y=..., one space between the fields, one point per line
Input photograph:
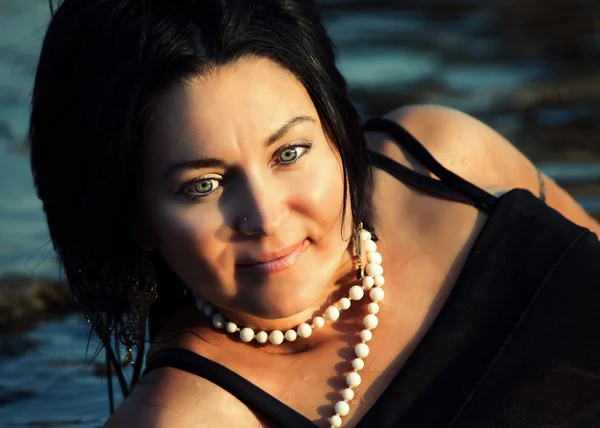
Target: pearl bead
x=376 y=294
x=370 y=321
x=348 y=394
x=247 y=334
x=318 y=322
x=345 y=303
x=358 y=364
x=209 y=310
x=356 y=292
x=353 y=379
x=262 y=337
x=370 y=246
x=304 y=330
x=366 y=335
x=200 y=302
x=374 y=257
x=379 y=280
x=335 y=421
x=231 y=327
x=290 y=335
x=361 y=350
x=218 y=320
x=365 y=235
x=332 y=313
x=373 y=308
x=342 y=408
x=374 y=270
x=368 y=282
x=276 y=337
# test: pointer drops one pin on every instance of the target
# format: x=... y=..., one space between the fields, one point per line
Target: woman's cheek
x=185 y=233
x=322 y=187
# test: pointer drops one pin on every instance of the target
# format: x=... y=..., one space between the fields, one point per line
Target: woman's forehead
x=242 y=102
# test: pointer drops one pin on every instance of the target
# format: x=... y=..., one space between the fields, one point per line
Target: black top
x=517 y=343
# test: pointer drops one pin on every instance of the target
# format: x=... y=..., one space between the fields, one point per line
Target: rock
x=25 y=300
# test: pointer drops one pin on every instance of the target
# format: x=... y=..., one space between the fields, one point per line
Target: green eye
x=288 y=155
x=204 y=186
x=293 y=152
x=201 y=188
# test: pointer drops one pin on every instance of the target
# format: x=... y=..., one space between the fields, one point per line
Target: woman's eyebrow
x=275 y=136
x=193 y=164
x=218 y=163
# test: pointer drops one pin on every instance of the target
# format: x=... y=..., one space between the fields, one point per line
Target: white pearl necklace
x=371 y=282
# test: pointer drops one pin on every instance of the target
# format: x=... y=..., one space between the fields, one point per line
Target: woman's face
x=243 y=191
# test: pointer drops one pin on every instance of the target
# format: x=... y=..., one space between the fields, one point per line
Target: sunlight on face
x=243 y=191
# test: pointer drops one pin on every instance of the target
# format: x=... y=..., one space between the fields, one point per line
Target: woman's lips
x=275 y=262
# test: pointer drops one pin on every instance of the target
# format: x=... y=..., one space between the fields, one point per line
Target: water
x=54 y=383
x=23 y=234
x=508 y=63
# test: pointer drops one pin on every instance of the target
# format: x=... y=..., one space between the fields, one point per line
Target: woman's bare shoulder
x=171 y=398
x=479 y=154
x=464 y=145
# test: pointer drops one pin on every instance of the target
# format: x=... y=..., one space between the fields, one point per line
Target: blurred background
x=528 y=68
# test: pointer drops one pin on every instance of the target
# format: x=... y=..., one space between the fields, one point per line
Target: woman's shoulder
x=454 y=140
x=464 y=145
x=477 y=153
x=171 y=398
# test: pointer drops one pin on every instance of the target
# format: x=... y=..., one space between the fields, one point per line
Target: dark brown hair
x=103 y=66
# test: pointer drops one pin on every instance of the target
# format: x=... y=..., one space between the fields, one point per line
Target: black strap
x=268 y=406
x=449 y=185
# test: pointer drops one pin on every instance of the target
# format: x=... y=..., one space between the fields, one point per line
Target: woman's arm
x=170 y=398
x=479 y=154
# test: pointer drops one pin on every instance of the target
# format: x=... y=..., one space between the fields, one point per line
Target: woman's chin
x=279 y=311
x=273 y=308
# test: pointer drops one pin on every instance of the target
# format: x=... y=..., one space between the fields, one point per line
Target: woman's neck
x=342 y=280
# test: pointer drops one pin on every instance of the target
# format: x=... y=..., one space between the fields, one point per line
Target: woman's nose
x=266 y=211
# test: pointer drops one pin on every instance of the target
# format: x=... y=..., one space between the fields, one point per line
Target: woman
x=201 y=167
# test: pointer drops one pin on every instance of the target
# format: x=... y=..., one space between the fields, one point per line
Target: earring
x=358 y=250
x=142 y=295
x=360 y=273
